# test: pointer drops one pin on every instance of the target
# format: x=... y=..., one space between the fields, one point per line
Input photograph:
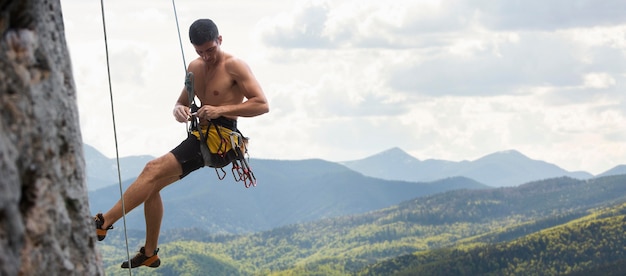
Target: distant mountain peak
x=394 y=153
x=505 y=154
x=394 y=150
x=510 y=151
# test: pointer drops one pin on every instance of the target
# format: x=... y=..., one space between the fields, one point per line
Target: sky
x=346 y=79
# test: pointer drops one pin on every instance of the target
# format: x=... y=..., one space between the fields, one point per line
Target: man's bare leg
x=153 y=211
x=157 y=174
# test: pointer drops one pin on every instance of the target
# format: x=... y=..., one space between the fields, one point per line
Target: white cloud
x=598 y=80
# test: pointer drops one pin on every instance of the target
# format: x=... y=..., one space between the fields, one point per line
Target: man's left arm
x=255 y=102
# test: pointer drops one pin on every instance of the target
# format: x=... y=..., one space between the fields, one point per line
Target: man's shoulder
x=229 y=59
x=196 y=63
x=233 y=63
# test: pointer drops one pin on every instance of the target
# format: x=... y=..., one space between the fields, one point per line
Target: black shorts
x=189 y=155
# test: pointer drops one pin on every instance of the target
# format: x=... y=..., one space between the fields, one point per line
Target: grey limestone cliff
x=45 y=225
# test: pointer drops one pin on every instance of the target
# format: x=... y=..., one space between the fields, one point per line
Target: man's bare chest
x=217 y=88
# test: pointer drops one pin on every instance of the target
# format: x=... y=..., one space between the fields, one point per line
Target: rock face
x=45 y=225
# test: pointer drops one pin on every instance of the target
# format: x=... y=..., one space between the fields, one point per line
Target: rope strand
x=117 y=155
x=182 y=52
x=180 y=40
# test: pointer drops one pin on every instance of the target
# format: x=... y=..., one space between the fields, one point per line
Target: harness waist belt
x=225 y=122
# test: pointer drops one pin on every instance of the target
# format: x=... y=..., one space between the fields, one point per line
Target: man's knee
x=151 y=167
x=163 y=166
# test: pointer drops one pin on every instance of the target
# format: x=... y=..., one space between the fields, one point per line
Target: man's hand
x=181 y=113
x=208 y=112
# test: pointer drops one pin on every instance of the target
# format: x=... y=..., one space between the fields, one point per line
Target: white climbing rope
x=180 y=41
x=117 y=155
x=182 y=52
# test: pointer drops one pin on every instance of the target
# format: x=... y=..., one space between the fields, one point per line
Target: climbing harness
x=117 y=155
x=220 y=142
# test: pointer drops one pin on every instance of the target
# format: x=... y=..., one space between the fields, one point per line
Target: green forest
x=560 y=226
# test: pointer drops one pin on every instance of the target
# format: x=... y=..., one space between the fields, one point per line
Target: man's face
x=210 y=50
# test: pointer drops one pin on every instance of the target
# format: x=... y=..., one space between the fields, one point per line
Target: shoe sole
x=153 y=262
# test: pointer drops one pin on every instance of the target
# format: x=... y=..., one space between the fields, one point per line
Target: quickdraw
x=241 y=170
x=240 y=164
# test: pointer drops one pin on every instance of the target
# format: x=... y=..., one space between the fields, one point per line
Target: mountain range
x=287 y=192
x=295 y=191
x=499 y=169
x=388 y=214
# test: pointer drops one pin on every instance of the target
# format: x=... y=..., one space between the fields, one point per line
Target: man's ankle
x=149 y=253
x=104 y=226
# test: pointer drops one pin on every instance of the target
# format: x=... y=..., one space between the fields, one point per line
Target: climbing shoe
x=141 y=259
x=102 y=233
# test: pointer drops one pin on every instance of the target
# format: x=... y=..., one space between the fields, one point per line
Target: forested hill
x=592 y=245
x=457 y=220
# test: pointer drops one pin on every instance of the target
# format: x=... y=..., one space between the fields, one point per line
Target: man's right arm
x=182 y=111
x=181 y=108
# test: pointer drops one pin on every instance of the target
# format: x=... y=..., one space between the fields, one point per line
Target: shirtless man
x=222 y=82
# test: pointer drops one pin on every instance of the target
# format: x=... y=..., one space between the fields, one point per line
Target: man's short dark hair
x=202 y=31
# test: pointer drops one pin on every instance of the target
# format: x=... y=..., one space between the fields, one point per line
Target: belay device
x=225 y=146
